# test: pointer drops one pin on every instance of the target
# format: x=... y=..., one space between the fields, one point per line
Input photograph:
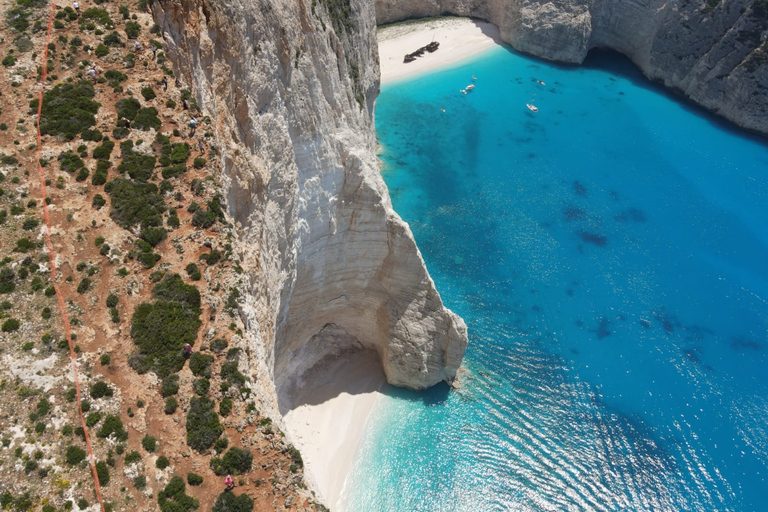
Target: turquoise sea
x=609 y=254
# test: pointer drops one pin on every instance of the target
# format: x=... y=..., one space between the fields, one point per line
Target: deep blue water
x=610 y=257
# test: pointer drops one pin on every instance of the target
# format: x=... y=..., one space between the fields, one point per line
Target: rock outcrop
x=290 y=88
x=712 y=51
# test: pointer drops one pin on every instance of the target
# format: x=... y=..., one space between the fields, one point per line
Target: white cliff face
x=330 y=265
x=712 y=51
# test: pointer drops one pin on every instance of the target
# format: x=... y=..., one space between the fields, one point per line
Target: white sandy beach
x=459 y=39
x=337 y=399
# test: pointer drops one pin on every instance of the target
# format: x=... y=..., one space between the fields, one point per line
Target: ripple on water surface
x=608 y=254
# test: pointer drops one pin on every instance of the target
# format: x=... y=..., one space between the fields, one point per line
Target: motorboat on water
x=463 y=91
x=470 y=87
x=531 y=107
x=540 y=82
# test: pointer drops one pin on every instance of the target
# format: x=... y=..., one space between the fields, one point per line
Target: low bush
x=91 y=135
x=148 y=93
x=149 y=443
x=131 y=457
x=171 y=404
x=127 y=108
x=10 y=325
x=203 y=427
x=113 y=425
x=170 y=386
x=68 y=109
x=69 y=161
x=225 y=406
x=102 y=471
x=74 y=455
x=135 y=203
x=147 y=119
x=236 y=461
x=162 y=462
x=173 y=497
x=219 y=345
x=200 y=364
x=100 y=390
x=201 y=386
x=229 y=502
x=194 y=479
x=104 y=150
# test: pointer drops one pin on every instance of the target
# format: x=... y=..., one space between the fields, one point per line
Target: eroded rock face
x=712 y=51
x=330 y=266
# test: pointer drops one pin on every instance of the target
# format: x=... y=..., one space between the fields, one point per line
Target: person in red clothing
x=229 y=482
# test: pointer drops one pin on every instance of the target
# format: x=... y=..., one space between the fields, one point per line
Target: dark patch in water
x=534 y=291
x=645 y=324
x=536 y=308
x=575 y=351
x=570 y=292
x=692 y=354
x=579 y=189
x=593 y=238
x=739 y=343
x=602 y=328
x=621 y=93
x=614 y=195
x=669 y=322
x=531 y=156
x=632 y=214
x=572 y=213
x=579 y=323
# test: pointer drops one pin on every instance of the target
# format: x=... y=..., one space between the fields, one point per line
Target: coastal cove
x=607 y=254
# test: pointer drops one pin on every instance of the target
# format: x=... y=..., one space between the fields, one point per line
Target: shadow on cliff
x=621 y=66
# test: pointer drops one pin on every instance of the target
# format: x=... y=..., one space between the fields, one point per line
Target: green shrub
x=200 y=364
x=148 y=93
x=236 y=461
x=194 y=479
x=173 y=497
x=82 y=175
x=230 y=373
x=149 y=443
x=91 y=135
x=180 y=152
x=173 y=171
x=98 y=201
x=112 y=300
x=104 y=150
x=100 y=390
x=92 y=419
x=135 y=203
x=221 y=444
x=127 y=108
x=201 y=386
x=105 y=359
x=131 y=457
x=84 y=285
x=113 y=39
x=199 y=163
x=10 y=325
x=229 y=502
x=101 y=51
x=68 y=109
x=203 y=427
x=225 y=406
x=138 y=166
x=102 y=471
x=146 y=119
x=74 y=455
x=170 y=385
x=132 y=29
x=7 y=283
x=69 y=161
x=140 y=482
x=219 y=345
x=30 y=224
x=99 y=16
x=153 y=235
x=162 y=462
x=171 y=404
x=9 y=61
x=113 y=425
x=120 y=133
x=160 y=330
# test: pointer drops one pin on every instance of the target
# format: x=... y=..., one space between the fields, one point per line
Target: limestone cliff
x=712 y=51
x=290 y=88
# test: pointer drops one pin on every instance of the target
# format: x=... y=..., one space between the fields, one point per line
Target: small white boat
x=470 y=87
x=532 y=108
x=540 y=82
x=474 y=77
x=462 y=91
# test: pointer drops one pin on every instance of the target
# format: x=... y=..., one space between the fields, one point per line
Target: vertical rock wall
x=290 y=89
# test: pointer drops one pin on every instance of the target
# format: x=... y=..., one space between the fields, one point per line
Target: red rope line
x=52 y=259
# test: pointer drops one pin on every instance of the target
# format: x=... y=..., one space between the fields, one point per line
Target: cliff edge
x=714 y=52
x=291 y=88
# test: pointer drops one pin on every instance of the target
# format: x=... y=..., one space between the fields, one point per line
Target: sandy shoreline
x=338 y=397
x=459 y=39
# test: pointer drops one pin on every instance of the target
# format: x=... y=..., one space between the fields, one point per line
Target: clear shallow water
x=610 y=257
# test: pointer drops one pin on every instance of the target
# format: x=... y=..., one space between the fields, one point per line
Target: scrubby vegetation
x=174 y=498
x=229 y=502
x=235 y=462
x=68 y=109
x=203 y=427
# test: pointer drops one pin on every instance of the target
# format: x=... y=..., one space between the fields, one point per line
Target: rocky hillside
x=714 y=52
x=145 y=260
